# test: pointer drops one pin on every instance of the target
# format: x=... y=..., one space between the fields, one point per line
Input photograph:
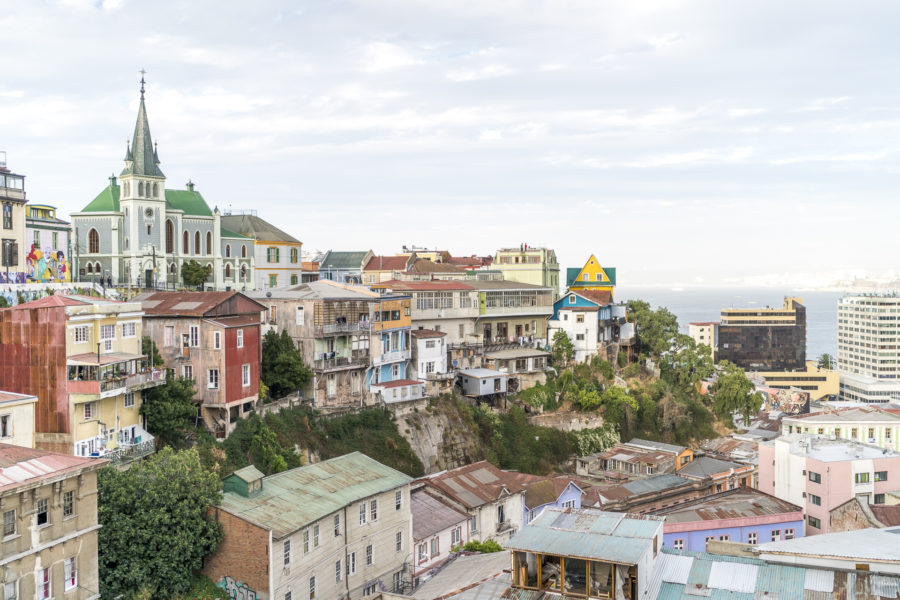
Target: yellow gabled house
x=591 y=277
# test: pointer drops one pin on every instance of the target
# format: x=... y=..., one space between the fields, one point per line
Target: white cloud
x=383 y=56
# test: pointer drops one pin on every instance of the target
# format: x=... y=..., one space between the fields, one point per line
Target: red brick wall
x=243 y=554
x=236 y=357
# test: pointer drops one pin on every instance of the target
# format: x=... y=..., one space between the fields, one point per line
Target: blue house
x=544 y=492
x=591 y=321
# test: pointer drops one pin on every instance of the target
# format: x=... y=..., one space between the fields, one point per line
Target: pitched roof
x=424 y=286
x=474 y=485
x=731 y=504
x=141 y=154
x=875 y=545
x=12 y=397
x=49 y=302
x=342 y=260
x=24 y=466
x=601 y=297
x=188 y=304
x=427 y=333
x=706 y=466
x=423 y=266
x=256 y=228
x=227 y=233
x=431 y=515
x=542 y=490
x=887 y=515
x=189 y=201
x=290 y=500
x=386 y=263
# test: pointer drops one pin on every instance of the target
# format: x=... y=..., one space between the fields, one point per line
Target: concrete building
x=725 y=475
x=17 y=419
x=47 y=238
x=343 y=267
x=591 y=277
x=138 y=232
x=337 y=529
x=636 y=458
x=213 y=338
x=527 y=264
x=705 y=334
x=429 y=361
x=82 y=358
x=764 y=339
x=492 y=498
x=437 y=529
x=12 y=233
x=820 y=474
x=742 y=515
x=276 y=254
x=868 y=358
x=592 y=322
x=818 y=383
x=866 y=424
x=49 y=505
x=586 y=553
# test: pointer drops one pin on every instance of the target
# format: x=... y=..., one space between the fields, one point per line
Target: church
x=138 y=232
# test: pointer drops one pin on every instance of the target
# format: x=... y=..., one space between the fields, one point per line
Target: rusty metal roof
x=25 y=466
x=431 y=515
x=188 y=304
x=731 y=504
x=474 y=485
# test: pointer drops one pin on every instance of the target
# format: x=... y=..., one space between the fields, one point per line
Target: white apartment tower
x=868 y=343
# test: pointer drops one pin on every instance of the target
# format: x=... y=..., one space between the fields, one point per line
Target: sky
x=684 y=143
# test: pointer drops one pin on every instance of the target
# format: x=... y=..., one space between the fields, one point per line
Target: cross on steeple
x=142 y=72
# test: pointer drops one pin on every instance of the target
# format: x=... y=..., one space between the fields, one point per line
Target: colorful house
x=47 y=244
x=591 y=321
x=390 y=351
x=592 y=277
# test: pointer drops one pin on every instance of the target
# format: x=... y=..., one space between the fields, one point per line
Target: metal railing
x=333 y=328
x=128 y=452
x=135 y=380
x=439 y=376
x=340 y=362
x=389 y=357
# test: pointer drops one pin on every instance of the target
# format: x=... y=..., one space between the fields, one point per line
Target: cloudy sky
x=682 y=142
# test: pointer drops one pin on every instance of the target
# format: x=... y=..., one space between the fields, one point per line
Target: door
x=148 y=278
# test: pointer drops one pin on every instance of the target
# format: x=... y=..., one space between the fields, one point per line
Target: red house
x=214 y=339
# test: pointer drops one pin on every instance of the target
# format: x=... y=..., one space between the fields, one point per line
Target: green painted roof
x=293 y=499
x=141 y=158
x=227 y=233
x=192 y=203
x=342 y=260
x=572 y=274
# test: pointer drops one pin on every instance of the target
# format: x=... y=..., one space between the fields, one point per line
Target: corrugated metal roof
x=819 y=580
x=733 y=577
x=871 y=544
x=656 y=483
x=784 y=581
x=676 y=569
x=885 y=587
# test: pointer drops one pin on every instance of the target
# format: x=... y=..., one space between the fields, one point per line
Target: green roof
x=192 y=203
x=572 y=275
x=342 y=260
x=227 y=233
x=293 y=499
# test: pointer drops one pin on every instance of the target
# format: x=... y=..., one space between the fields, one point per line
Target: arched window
x=227 y=271
x=172 y=268
x=93 y=242
x=97 y=268
x=208 y=243
x=127 y=187
x=243 y=251
x=140 y=188
x=155 y=190
x=196 y=242
x=186 y=243
x=90 y=268
x=227 y=250
x=170 y=236
x=243 y=272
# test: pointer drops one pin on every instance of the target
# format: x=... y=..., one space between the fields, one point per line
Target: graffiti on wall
x=236 y=589
x=47 y=265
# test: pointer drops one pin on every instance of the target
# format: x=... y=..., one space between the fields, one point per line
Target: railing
x=439 y=376
x=333 y=328
x=505 y=526
x=340 y=362
x=463 y=345
x=389 y=357
x=129 y=452
x=135 y=380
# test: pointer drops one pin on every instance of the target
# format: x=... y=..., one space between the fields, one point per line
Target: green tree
x=687 y=363
x=562 y=348
x=4 y=303
x=734 y=392
x=826 y=361
x=148 y=348
x=618 y=408
x=154 y=525
x=168 y=409
x=655 y=329
x=194 y=274
x=265 y=453
x=283 y=370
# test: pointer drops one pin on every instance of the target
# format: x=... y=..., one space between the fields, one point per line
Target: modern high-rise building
x=868 y=344
x=764 y=339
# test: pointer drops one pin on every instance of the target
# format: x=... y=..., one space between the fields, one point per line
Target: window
x=430 y=344
x=293 y=255
x=370 y=556
x=373 y=511
x=316 y=536
x=243 y=251
x=788 y=534
x=579 y=318
x=571 y=298
x=814 y=522
x=287 y=595
x=170 y=237
x=312 y=587
x=456 y=536
x=351 y=563
x=208 y=243
x=362 y=513
x=9 y=589
x=129 y=330
x=273 y=312
x=338 y=571
x=501 y=514
x=861 y=478
x=881 y=476
x=724 y=538
x=579 y=337
x=5 y=426
x=129 y=400
x=240 y=338
x=678 y=544
x=194 y=333
x=398 y=499
x=227 y=250
x=9 y=522
x=213 y=380
x=423 y=553
x=93 y=241
x=196 y=242
x=217 y=339
x=68 y=504
x=81 y=335
x=710 y=538
x=287 y=552
x=473 y=526
x=71 y=574
x=815 y=477
x=8 y=218
x=776 y=535
x=88 y=409
x=397 y=581
x=879 y=499
x=305 y=541
x=752 y=538
x=185 y=243
x=43 y=583
x=273 y=281
x=188 y=371
x=398 y=542
x=370 y=589
x=107 y=332
x=435 y=547
x=245 y=375
x=816 y=500
x=43 y=515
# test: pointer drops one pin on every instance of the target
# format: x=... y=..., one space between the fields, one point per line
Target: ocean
x=704 y=304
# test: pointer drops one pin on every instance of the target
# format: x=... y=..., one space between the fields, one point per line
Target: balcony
x=505 y=526
x=327 y=361
x=390 y=357
x=341 y=328
x=126 y=449
x=115 y=384
x=439 y=376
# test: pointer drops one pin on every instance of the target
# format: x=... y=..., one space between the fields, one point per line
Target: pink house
x=437 y=529
x=820 y=474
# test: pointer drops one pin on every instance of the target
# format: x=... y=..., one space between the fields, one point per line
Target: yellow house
x=17 y=419
x=591 y=276
x=525 y=264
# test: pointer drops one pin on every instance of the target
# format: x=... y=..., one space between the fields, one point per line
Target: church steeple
x=142 y=158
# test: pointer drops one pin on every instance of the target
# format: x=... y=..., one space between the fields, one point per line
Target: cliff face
x=440 y=436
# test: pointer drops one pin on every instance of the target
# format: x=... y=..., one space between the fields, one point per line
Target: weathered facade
x=276 y=254
x=12 y=227
x=17 y=419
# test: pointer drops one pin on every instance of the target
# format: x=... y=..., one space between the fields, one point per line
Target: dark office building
x=769 y=339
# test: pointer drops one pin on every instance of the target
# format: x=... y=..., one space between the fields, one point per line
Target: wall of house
x=450 y=326
x=445 y=544
x=850 y=516
x=283 y=269
x=44 y=260
x=486 y=521
x=693 y=535
x=242 y=560
x=570 y=495
x=235 y=358
x=21 y=422
x=883 y=435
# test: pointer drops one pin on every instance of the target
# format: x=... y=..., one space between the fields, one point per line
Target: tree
x=655 y=329
x=734 y=392
x=168 y=409
x=194 y=273
x=148 y=348
x=826 y=361
x=265 y=453
x=562 y=348
x=283 y=369
x=154 y=525
x=687 y=363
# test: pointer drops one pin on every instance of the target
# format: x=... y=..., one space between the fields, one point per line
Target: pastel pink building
x=820 y=474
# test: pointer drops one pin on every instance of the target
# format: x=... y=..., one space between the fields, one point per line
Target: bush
x=486 y=546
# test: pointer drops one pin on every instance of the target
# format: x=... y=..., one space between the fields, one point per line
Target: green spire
x=142 y=156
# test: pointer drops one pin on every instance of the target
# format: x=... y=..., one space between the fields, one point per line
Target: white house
x=437 y=528
x=429 y=360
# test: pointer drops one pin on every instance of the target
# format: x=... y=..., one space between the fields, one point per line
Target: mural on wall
x=47 y=265
x=236 y=589
x=790 y=402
